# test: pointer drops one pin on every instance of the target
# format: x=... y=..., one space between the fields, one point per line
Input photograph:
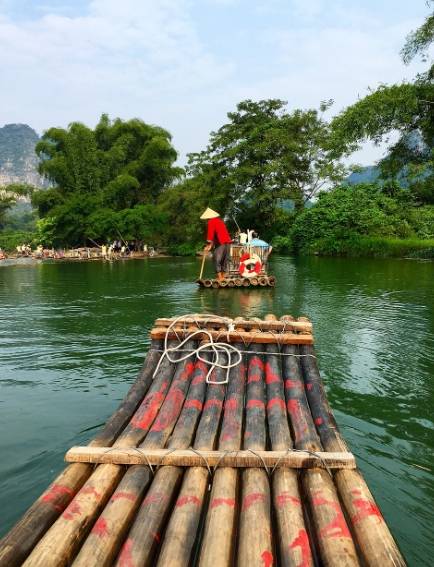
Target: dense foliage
x=264 y=155
x=343 y=216
x=106 y=181
x=9 y=195
x=407 y=108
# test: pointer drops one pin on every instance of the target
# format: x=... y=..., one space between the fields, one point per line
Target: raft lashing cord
x=222 y=351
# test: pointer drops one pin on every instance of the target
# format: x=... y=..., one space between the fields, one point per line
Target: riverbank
x=372 y=247
x=14 y=260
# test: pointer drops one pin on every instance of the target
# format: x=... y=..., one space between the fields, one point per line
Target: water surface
x=73 y=336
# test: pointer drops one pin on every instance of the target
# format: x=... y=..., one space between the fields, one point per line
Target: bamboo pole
x=210 y=322
x=218 y=542
x=255 y=545
x=303 y=427
x=144 y=536
x=222 y=458
x=236 y=336
x=375 y=541
x=327 y=520
x=202 y=265
x=106 y=537
x=62 y=540
x=292 y=537
x=17 y=544
x=181 y=532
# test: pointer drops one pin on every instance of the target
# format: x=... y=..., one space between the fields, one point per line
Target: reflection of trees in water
x=237 y=302
x=373 y=323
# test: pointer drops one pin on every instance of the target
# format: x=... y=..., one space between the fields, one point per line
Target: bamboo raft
x=234 y=278
x=262 y=280
x=212 y=466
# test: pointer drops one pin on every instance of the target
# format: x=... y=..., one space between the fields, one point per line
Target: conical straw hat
x=209 y=214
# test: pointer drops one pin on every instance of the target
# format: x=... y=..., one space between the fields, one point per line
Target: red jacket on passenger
x=217 y=232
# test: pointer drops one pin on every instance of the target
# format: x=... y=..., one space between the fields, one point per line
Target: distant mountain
x=369 y=174
x=18 y=161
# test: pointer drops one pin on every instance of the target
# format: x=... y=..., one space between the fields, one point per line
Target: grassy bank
x=373 y=246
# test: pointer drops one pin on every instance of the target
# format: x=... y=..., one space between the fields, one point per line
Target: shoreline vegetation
x=360 y=247
x=279 y=171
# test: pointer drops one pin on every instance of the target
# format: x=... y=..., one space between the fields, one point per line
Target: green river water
x=73 y=337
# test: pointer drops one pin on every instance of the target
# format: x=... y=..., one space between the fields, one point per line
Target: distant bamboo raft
x=262 y=280
x=249 y=470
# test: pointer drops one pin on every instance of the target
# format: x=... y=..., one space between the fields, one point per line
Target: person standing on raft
x=218 y=240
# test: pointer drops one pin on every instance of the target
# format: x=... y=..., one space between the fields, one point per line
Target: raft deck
x=200 y=465
x=261 y=280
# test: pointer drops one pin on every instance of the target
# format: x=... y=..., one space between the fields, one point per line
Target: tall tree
x=117 y=166
x=9 y=194
x=407 y=108
x=264 y=155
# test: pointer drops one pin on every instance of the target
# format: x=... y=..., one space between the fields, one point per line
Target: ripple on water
x=73 y=336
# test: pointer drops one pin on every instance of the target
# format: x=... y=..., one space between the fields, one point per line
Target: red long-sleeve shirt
x=217 y=232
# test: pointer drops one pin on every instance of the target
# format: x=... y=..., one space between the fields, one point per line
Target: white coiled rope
x=221 y=351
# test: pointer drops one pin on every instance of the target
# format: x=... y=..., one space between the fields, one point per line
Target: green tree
x=183 y=204
x=117 y=167
x=6 y=202
x=8 y=198
x=264 y=155
x=407 y=108
x=348 y=212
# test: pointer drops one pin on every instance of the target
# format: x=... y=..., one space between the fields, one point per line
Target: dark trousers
x=220 y=256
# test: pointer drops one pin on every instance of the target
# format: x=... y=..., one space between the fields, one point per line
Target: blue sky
x=184 y=64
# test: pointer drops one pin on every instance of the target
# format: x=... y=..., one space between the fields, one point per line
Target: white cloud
x=152 y=60
x=130 y=58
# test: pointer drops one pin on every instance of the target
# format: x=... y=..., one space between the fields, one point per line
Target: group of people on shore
x=118 y=249
x=109 y=251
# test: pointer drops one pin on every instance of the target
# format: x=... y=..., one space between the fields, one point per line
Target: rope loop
x=222 y=352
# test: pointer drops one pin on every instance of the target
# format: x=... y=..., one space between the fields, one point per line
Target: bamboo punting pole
x=202 y=264
x=145 y=534
x=375 y=542
x=293 y=539
x=181 y=532
x=106 y=537
x=334 y=540
x=62 y=540
x=236 y=336
x=239 y=323
x=218 y=541
x=17 y=544
x=255 y=546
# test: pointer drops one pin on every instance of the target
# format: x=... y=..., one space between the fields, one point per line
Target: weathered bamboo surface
x=210 y=322
x=251 y=470
x=257 y=337
x=193 y=458
x=262 y=280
